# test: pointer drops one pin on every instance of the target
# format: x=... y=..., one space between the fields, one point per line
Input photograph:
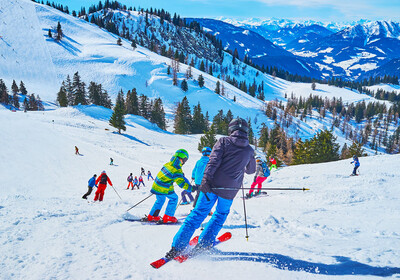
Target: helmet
x=103 y=172
x=206 y=151
x=182 y=154
x=258 y=159
x=238 y=124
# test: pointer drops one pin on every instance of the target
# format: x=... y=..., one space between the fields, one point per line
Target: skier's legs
x=197 y=196
x=259 y=181
x=183 y=195
x=210 y=232
x=252 y=186
x=190 y=197
x=97 y=194
x=193 y=221
x=355 y=170
x=172 y=203
x=87 y=193
x=160 y=199
x=102 y=189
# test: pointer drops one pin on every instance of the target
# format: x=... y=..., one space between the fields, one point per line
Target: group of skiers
x=100 y=183
x=137 y=182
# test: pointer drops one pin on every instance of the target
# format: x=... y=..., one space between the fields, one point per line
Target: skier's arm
x=251 y=166
x=109 y=181
x=194 y=171
x=181 y=181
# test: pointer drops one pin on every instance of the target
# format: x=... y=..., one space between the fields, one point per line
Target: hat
x=238 y=124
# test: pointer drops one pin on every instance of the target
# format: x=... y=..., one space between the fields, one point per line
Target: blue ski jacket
x=92 y=182
x=356 y=163
x=198 y=171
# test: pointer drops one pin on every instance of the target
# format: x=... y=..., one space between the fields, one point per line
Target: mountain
x=260 y=50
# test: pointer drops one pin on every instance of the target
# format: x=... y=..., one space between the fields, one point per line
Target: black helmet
x=238 y=124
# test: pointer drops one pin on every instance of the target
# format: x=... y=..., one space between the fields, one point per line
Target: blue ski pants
x=171 y=206
x=197 y=216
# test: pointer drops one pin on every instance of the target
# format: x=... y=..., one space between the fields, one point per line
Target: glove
x=205 y=186
x=194 y=188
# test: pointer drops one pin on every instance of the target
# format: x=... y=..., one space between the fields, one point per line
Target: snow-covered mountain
x=344 y=227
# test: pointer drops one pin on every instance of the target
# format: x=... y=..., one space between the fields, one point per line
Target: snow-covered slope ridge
x=343 y=227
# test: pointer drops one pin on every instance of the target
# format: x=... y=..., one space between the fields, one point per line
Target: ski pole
x=269 y=189
x=179 y=204
x=245 y=216
x=139 y=202
x=116 y=192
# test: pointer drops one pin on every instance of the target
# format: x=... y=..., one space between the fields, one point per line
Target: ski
x=159 y=263
x=263 y=193
x=182 y=258
x=145 y=221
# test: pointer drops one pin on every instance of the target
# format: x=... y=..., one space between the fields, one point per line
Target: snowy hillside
x=343 y=228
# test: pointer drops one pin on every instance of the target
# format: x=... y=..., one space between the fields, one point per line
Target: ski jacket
x=130 y=178
x=230 y=158
x=92 y=182
x=140 y=179
x=356 y=162
x=272 y=161
x=135 y=181
x=171 y=172
x=259 y=170
x=104 y=181
x=198 y=171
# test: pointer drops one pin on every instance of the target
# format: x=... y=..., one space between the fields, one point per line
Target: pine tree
x=79 y=90
x=202 y=67
x=208 y=139
x=184 y=85
x=14 y=87
x=117 y=119
x=94 y=92
x=183 y=118
x=33 y=106
x=49 y=34
x=22 y=88
x=26 y=104
x=199 y=124
x=356 y=149
x=62 y=99
x=132 y=102
x=158 y=114
x=119 y=41
x=15 y=101
x=201 y=81
x=59 y=32
x=217 y=88
x=3 y=93
x=144 y=108
x=250 y=133
x=133 y=45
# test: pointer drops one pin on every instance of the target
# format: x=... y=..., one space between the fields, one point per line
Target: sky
x=321 y=10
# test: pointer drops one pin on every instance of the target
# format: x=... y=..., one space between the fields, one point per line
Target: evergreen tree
x=79 y=90
x=22 y=88
x=14 y=87
x=59 y=32
x=62 y=99
x=26 y=104
x=250 y=133
x=133 y=45
x=199 y=124
x=67 y=84
x=158 y=114
x=49 y=34
x=184 y=85
x=220 y=124
x=33 y=106
x=144 y=108
x=344 y=152
x=217 y=88
x=356 y=149
x=201 y=81
x=3 y=93
x=94 y=92
x=183 y=118
x=119 y=41
x=264 y=136
x=132 y=102
x=202 y=67
x=208 y=139
x=15 y=101
x=117 y=119
x=325 y=147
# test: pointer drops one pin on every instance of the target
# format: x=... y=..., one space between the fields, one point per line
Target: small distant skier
x=135 y=183
x=111 y=161
x=262 y=173
x=198 y=171
x=163 y=187
x=149 y=176
x=272 y=161
x=76 y=151
x=230 y=158
x=102 y=185
x=91 y=184
x=142 y=172
x=130 y=180
x=356 y=165
x=141 y=181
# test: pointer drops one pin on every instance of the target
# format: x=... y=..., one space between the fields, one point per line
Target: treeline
x=29 y=103
x=381 y=94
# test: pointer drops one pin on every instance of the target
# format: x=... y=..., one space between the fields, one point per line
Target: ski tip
x=159 y=263
x=194 y=241
x=227 y=235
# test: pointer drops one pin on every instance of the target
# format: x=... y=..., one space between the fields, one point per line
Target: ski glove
x=205 y=186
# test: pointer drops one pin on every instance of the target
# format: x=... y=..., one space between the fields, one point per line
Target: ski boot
x=169 y=219
x=151 y=218
x=172 y=253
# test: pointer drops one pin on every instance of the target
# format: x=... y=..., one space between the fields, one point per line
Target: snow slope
x=343 y=228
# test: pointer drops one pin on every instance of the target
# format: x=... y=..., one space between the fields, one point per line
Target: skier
x=103 y=179
x=135 y=183
x=130 y=179
x=262 y=173
x=142 y=171
x=230 y=158
x=76 y=151
x=356 y=165
x=141 y=181
x=272 y=160
x=91 y=184
x=198 y=171
x=111 y=161
x=149 y=176
x=163 y=187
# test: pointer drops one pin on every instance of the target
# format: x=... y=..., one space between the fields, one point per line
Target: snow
x=246 y=32
x=385 y=87
x=343 y=227
x=327 y=50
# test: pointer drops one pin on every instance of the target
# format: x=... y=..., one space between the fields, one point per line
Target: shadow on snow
x=345 y=265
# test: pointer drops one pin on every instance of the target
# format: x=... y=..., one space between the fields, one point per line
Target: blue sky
x=322 y=10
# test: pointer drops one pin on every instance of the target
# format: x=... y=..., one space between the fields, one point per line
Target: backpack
x=103 y=179
x=265 y=169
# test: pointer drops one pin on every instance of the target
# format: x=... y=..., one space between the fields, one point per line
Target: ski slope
x=343 y=228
